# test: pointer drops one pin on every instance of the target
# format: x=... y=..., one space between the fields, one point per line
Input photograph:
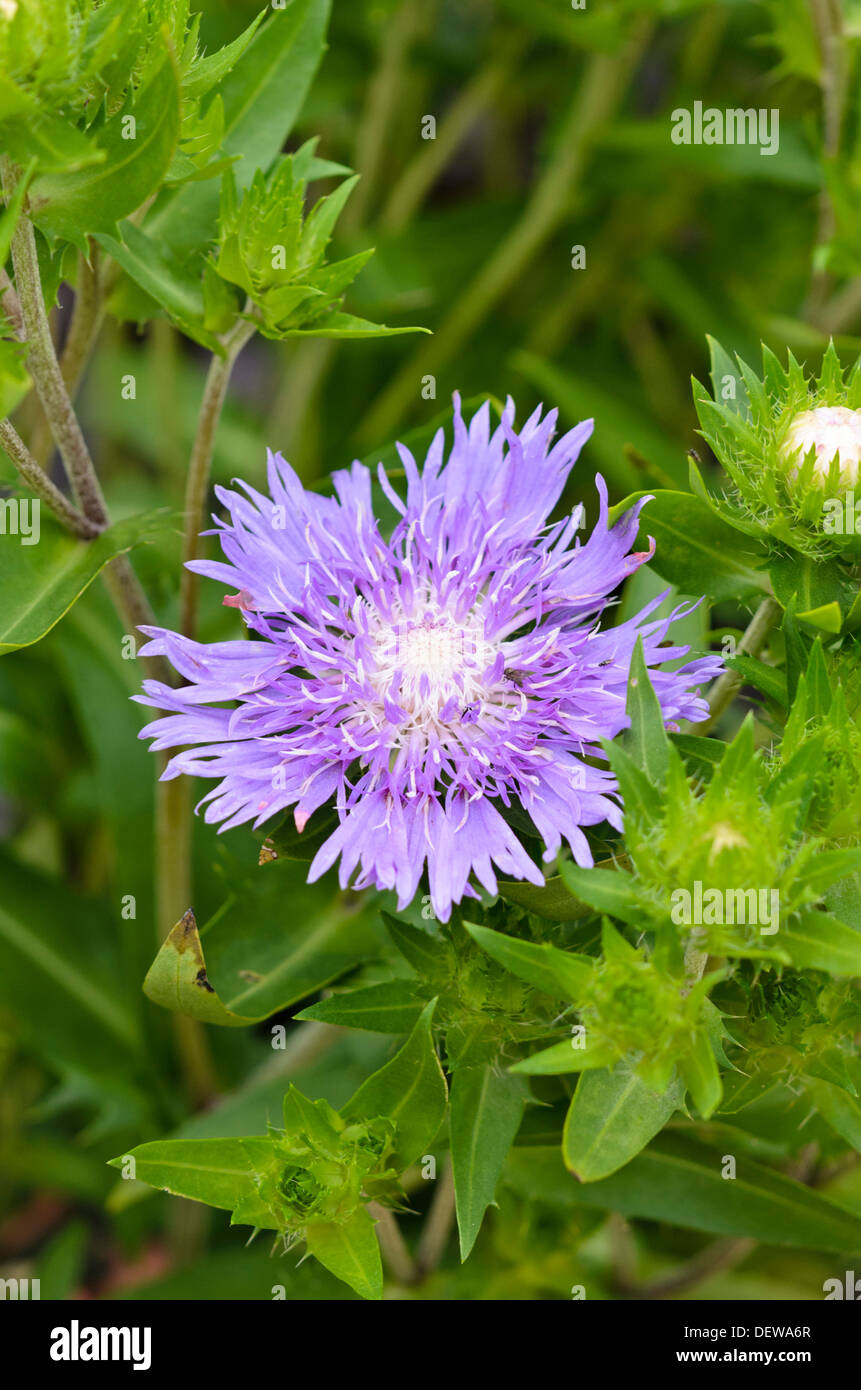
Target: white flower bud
x=830 y=430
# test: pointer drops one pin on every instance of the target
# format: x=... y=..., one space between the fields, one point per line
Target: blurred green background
x=552 y=132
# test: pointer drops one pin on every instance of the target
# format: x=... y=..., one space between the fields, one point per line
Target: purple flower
x=425 y=681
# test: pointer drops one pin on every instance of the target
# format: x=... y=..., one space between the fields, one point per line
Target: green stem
x=174 y=895
x=48 y=379
x=727 y=686
x=197 y=485
x=827 y=18
x=438 y=1225
x=39 y=482
x=717 y=1257
x=548 y=205
x=87 y=318
x=392 y=1244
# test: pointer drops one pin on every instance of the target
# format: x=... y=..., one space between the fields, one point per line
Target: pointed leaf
x=486 y=1110
x=612 y=1117
x=350 y=1251
x=410 y=1090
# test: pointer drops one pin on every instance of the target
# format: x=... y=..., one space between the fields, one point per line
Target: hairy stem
x=197 y=485
x=727 y=686
x=39 y=482
x=87 y=318
x=48 y=379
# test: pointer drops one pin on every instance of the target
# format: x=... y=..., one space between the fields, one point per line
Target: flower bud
x=830 y=430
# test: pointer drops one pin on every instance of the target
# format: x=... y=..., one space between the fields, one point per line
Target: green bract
x=631 y=1078
x=776 y=494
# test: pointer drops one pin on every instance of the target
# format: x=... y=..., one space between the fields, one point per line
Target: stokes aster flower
x=426 y=681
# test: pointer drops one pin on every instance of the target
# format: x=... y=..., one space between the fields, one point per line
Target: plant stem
x=48 y=379
x=174 y=894
x=87 y=318
x=41 y=484
x=827 y=18
x=197 y=485
x=714 y=1259
x=395 y=1252
x=547 y=207
x=120 y=579
x=438 y=1223
x=727 y=686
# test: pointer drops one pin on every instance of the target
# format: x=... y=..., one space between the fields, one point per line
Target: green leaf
x=262 y=97
x=410 y=1090
x=15 y=380
x=698 y=551
x=223 y=1173
x=486 y=1110
x=57 y=980
x=817 y=941
x=768 y=679
x=827 y=617
x=207 y=72
x=553 y=902
x=565 y=1057
x=391 y=1007
x=681 y=1182
x=52 y=142
x=604 y=890
x=341 y=325
x=706 y=753
x=9 y=218
x=41 y=582
x=701 y=1075
x=351 y=1251
x=177 y=979
x=647 y=741
x=723 y=366
x=838 y=1108
x=257 y=961
x=560 y=974
x=817 y=586
x=71 y=205
x=171 y=285
x=612 y=1116
x=424 y=952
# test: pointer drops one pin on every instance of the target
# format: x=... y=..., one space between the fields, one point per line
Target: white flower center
x=423 y=663
x=831 y=431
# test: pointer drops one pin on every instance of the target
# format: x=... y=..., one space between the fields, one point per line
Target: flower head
x=790 y=444
x=832 y=432
x=427 y=681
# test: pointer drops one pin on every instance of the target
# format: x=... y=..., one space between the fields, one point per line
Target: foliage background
x=552 y=131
